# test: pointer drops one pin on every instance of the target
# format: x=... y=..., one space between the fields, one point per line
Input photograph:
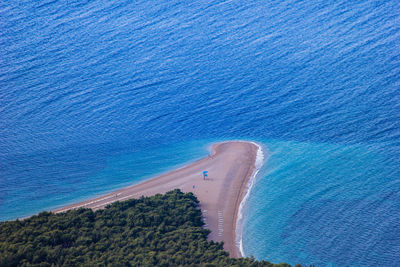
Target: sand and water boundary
x=232 y=167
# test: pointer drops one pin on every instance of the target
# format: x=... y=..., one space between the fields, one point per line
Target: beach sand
x=229 y=167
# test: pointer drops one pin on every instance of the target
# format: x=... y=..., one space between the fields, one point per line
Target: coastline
x=260 y=159
x=232 y=167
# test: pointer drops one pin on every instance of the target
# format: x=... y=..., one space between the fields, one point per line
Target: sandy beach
x=229 y=167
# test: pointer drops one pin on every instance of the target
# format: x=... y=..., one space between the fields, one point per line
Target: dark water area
x=97 y=95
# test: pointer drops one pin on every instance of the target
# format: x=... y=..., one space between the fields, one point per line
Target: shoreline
x=259 y=162
x=232 y=167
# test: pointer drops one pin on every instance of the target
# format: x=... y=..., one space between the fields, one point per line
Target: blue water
x=325 y=204
x=96 y=95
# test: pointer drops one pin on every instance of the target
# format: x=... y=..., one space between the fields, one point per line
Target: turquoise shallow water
x=114 y=172
x=311 y=202
x=97 y=95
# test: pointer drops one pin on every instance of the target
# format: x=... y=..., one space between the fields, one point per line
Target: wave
x=239 y=221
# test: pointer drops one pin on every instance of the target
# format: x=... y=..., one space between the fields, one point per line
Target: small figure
x=205 y=174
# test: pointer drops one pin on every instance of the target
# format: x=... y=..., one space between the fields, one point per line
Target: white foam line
x=239 y=221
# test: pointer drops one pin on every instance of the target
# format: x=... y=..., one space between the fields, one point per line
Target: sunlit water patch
x=324 y=204
x=92 y=94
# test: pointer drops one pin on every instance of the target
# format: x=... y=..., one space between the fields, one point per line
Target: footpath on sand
x=220 y=191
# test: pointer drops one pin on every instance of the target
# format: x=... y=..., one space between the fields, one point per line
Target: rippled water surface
x=96 y=95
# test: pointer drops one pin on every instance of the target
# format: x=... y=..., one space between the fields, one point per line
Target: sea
x=96 y=95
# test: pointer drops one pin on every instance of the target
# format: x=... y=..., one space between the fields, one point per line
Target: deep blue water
x=96 y=95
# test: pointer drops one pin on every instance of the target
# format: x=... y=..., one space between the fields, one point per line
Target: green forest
x=162 y=230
